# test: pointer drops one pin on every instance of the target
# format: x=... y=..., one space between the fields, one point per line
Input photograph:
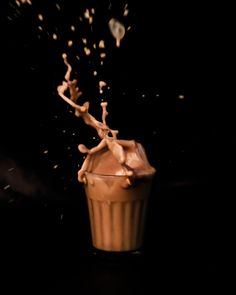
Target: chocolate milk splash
x=109 y=142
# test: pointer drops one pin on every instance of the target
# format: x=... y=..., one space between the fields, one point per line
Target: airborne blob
x=117 y=30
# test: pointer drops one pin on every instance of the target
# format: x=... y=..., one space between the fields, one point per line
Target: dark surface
x=45 y=240
x=44 y=254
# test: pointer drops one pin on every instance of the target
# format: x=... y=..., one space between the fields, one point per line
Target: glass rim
x=117 y=175
x=104 y=175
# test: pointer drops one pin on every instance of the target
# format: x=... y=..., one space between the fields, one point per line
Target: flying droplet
x=72 y=28
x=24 y=1
x=101 y=44
x=70 y=43
x=90 y=20
x=6 y=186
x=103 y=55
x=126 y=10
x=117 y=30
x=87 y=51
x=54 y=36
x=58 y=6
x=101 y=85
x=86 y=14
x=181 y=96
x=40 y=17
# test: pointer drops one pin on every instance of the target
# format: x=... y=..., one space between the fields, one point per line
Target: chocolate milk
x=117 y=205
x=117 y=178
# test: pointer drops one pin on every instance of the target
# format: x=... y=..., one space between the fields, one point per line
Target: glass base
x=110 y=257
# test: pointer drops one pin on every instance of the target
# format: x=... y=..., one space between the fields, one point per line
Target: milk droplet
x=87 y=51
x=6 y=186
x=102 y=84
x=101 y=44
x=117 y=30
x=70 y=43
x=24 y=1
x=58 y=6
x=126 y=10
x=86 y=14
x=90 y=20
x=54 y=36
x=40 y=17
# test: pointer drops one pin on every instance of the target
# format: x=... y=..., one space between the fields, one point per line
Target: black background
x=171 y=50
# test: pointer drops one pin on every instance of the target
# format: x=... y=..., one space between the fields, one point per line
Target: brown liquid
x=117 y=214
x=117 y=178
x=117 y=203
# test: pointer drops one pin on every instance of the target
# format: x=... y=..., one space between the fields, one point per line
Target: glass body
x=117 y=211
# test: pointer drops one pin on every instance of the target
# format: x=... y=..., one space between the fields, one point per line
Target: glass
x=117 y=211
